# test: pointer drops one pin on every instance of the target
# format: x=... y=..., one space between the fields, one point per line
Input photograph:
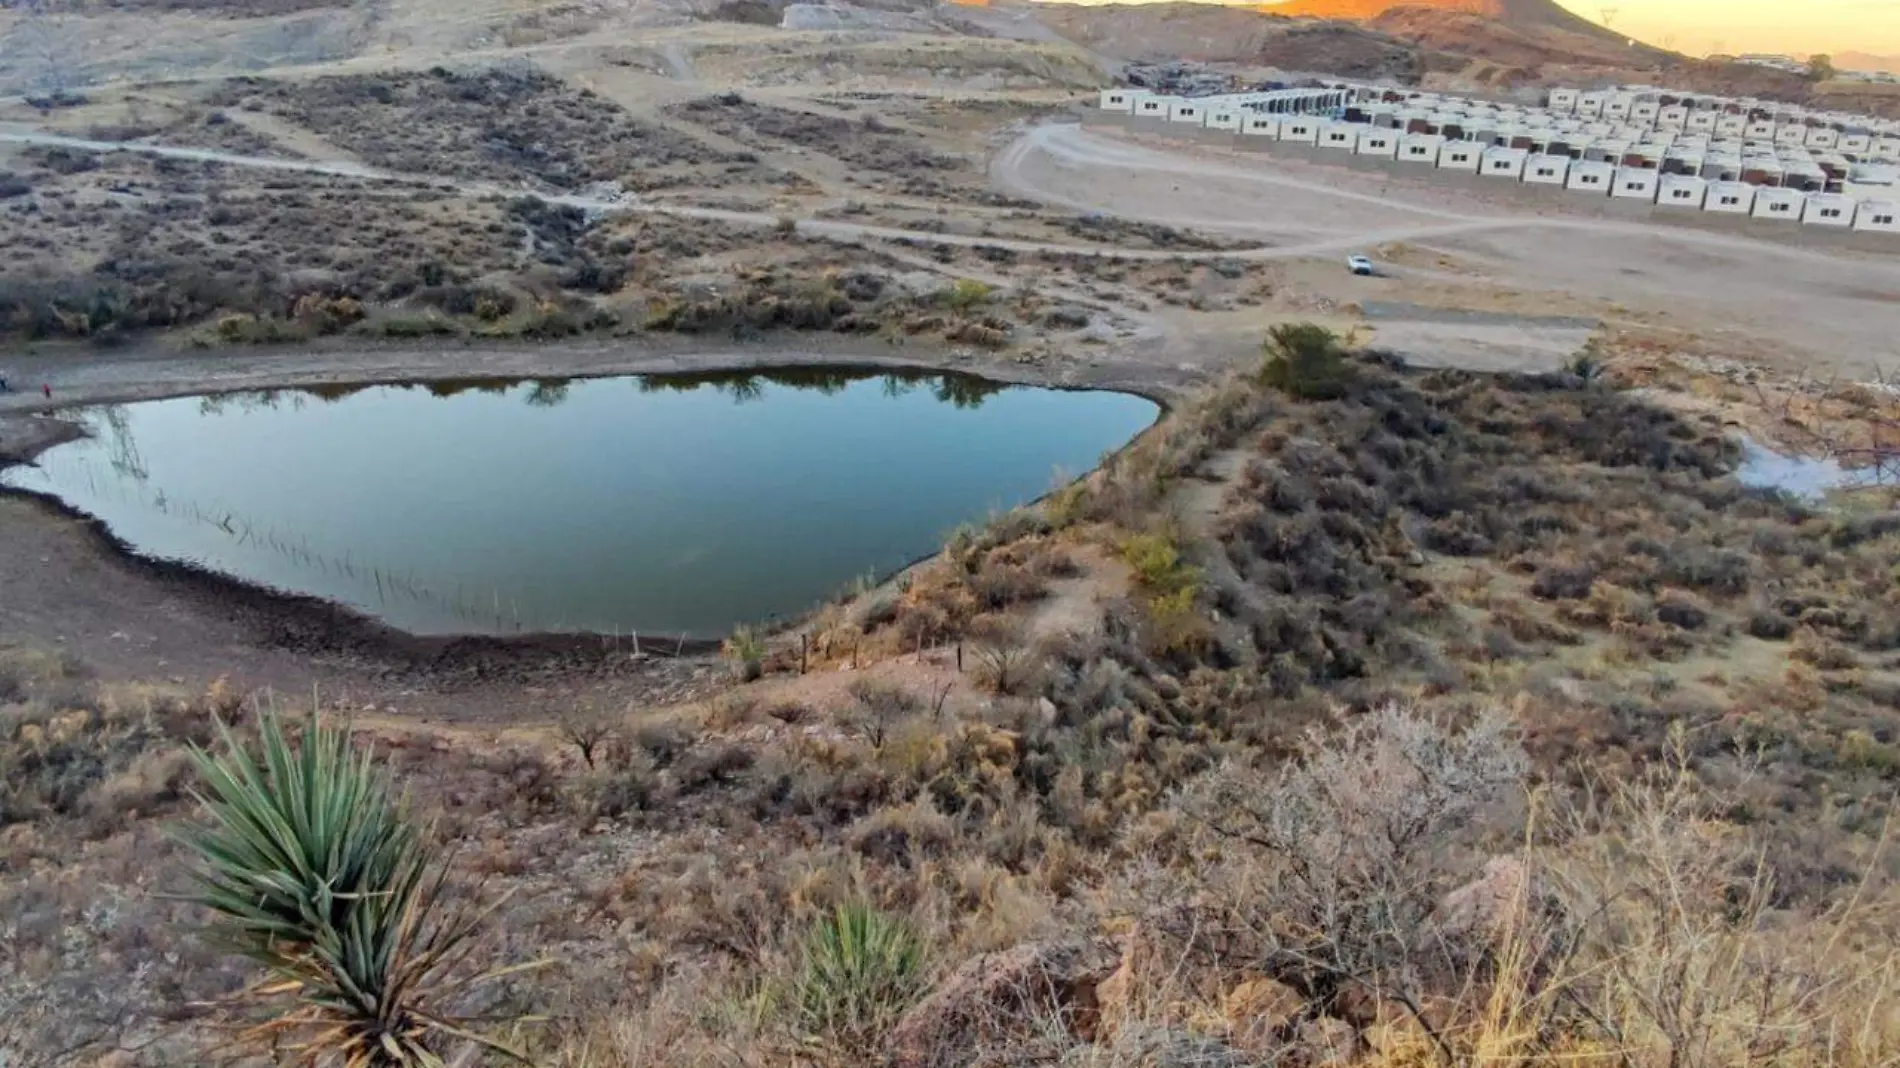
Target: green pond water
x=644 y=504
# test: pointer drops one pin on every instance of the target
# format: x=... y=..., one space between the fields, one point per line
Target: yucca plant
x=313 y=869
x=860 y=969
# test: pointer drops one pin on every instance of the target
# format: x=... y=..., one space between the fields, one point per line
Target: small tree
x=586 y=727
x=1821 y=68
x=312 y=869
x=1307 y=361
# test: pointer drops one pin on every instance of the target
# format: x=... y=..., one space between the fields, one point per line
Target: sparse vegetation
x=1451 y=719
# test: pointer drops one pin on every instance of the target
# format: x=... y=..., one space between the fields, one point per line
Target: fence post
x=804 y=653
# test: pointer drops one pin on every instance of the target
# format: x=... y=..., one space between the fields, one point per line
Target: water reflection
x=471 y=507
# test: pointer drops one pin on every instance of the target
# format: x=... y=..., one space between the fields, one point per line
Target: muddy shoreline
x=311 y=626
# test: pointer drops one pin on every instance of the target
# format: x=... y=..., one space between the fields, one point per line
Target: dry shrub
x=1690 y=955
x=1333 y=868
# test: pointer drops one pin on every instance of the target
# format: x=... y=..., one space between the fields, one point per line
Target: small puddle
x=649 y=504
x=1798 y=476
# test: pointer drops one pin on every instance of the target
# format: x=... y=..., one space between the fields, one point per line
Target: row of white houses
x=1615 y=179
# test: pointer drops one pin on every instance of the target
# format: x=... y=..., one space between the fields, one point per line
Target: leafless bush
x=1005 y=657
x=1339 y=861
x=1691 y=961
x=881 y=707
x=587 y=727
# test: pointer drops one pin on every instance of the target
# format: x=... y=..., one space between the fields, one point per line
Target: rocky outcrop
x=1002 y=1000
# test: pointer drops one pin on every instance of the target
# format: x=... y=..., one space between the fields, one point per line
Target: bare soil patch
x=500 y=124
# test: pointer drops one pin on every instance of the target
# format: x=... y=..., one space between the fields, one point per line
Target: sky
x=1790 y=26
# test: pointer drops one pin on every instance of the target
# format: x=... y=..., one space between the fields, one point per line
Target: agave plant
x=314 y=870
x=861 y=969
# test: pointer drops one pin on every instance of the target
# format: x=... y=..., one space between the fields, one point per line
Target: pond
x=644 y=504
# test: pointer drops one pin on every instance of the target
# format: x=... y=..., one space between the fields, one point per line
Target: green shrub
x=313 y=870
x=966 y=293
x=1306 y=361
x=1158 y=565
x=746 y=652
x=859 y=969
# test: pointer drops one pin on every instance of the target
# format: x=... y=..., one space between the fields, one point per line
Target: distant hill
x=1866 y=61
x=1517 y=14
x=1525 y=34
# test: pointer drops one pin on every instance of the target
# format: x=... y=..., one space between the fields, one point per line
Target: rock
x=1475 y=922
x=1323 y=1043
x=1151 y=982
x=1159 y=1047
x=1066 y=317
x=999 y=997
x=1258 y=1012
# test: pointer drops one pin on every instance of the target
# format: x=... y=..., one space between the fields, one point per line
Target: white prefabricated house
x=1226 y=119
x=1300 y=130
x=1381 y=143
x=1645 y=112
x=1731 y=126
x=1420 y=148
x=1591 y=104
x=1791 y=134
x=1547 y=170
x=1673 y=117
x=1618 y=105
x=1887 y=148
x=1703 y=121
x=1636 y=183
x=1188 y=113
x=1730 y=198
x=1823 y=137
x=1856 y=143
x=1779 y=204
x=1340 y=135
x=1154 y=107
x=1877 y=217
x=1563 y=101
x=1682 y=191
x=1501 y=162
x=1464 y=156
x=1591 y=176
x=1760 y=130
x=1833 y=210
x=1259 y=125
x=1118 y=100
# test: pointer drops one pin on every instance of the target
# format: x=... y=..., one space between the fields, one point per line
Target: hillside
x=1866 y=61
x=1211 y=33
x=1522 y=15
x=1519 y=33
x=1519 y=42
